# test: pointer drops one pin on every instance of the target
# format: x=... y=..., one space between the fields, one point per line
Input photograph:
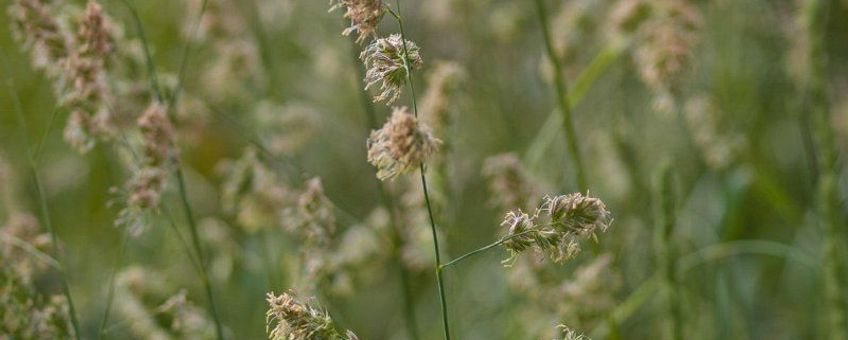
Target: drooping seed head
x=389 y=61
x=401 y=145
x=364 y=16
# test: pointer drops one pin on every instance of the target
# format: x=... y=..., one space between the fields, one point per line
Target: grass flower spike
x=556 y=227
x=386 y=62
x=364 y=16
x=295 y=320
x=401 y=145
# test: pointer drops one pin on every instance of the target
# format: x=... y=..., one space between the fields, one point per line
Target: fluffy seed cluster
x=154 y=309
x=74 y=62
x=389 y=61
x=88 y=95
x=668 y=40
x=148 y=182
x=42 y=33
x=401 y=145
x=556 y=227
x=26 y=311
x=364 y=16
x=290 y=319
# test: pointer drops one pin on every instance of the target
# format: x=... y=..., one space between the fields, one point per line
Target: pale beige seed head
x=388 y=62
x=364 y=16
x=401 y=145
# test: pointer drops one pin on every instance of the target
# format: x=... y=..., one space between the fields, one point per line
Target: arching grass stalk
x=480 y=250
x=562 y=98
x=183 y=192
x=385 y=198
x=439 y=279
x=666 y=255
x=829 y=205
x=44 y=210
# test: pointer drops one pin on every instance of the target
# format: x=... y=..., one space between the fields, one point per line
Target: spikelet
x=401 y=145
x=290 y=319
x=145 y=188
x=364 y=16
x=569 y=334
x=388 y=62
x=556 y=227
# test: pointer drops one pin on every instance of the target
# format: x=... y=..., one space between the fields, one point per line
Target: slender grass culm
x=815 y=17
x=562 y=98
x=394 y=226
x=666 y=254
x=183 y=192
x=43 y=207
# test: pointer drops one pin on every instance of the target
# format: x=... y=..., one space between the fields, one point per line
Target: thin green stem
x=195 y=240
x=562 y=99
x=480 y=250
x=42 y=199
x=439 y=279
x=385 y=197
x=110 y=295
x=666 y=254
x=183 y=192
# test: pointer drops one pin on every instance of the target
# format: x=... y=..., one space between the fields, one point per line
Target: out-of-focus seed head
x=290 y=319
x=401 y=145
x=628 y=15
x=389 y=61
x=509 y=182
x=442 y=82
x=35 y=24
x=157 y=135
x=364 y=16
x=666 y=48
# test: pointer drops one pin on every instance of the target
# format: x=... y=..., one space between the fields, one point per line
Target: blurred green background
x=745 y=171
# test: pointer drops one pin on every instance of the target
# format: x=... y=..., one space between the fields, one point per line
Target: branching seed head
x=389 y=61
x=401 y=145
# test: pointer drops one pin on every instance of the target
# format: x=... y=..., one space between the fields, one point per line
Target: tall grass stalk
x=183 y=192
x=562 y=98
x=385 y=198
x=439 y=279
x=666 y=255
x=110 y=294
x=42 y=200
x=829 y=212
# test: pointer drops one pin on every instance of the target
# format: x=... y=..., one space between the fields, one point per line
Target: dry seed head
x=567 y=219
x=665 y=52
x=364 y=16
x=570 y=334
x=389 y=61
x=584 y=215
x=35 y=24
x=290 y=319
x=401 y=145
x=157 y=135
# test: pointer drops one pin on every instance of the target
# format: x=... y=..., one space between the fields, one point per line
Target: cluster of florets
x=401 y=145
x=389 y=62
x=556 y=227
x=364 y=16
x=289 y=319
